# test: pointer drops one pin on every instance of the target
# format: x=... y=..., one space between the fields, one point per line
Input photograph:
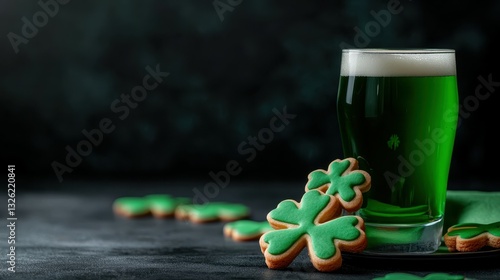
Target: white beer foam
x=397 y=63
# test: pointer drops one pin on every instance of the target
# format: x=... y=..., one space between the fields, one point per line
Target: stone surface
x=74 y=234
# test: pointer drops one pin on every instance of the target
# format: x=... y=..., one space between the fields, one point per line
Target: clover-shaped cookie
x=164 y=205
x=313 y=223
x=212 y=211
x=343 y=180
x=158 y=205
x=469 y=237
x=246 y=230
x=408 y=276
x=131 y=207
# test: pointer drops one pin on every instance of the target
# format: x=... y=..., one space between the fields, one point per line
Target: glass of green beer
x=398 y=112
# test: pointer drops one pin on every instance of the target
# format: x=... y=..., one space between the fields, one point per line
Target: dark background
x=226 y=76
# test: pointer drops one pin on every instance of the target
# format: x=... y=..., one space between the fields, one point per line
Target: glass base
x=404 y=238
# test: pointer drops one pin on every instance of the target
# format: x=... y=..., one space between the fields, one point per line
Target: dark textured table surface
x=72 y=233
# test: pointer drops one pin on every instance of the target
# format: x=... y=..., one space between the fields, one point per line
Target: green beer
x=398 y=111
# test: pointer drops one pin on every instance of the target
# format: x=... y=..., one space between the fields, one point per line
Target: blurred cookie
x=164 y=205
x=131 y=207
x=212 y=212
x=157 y=205
x=246 y=230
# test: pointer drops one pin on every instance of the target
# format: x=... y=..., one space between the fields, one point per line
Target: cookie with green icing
x=158 y=205
x=246 y=230
x=470 y=237
x=408 y=276
x=343 y=180
x=313 y=223
x=164 y=205
x=131 y=207
x=212 y=211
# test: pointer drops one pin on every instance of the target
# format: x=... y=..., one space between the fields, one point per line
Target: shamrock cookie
x=212 y=211
x=343 y=180
x=131 y=207
x=158 y=205
x=310 y=224
x=164 y=205
x=408 y=276
x=246 y=230
x=469 y=237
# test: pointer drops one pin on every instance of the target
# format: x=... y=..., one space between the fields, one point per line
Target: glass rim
x=399 y=51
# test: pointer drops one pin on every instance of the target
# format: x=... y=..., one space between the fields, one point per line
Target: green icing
x=300 y=221
x=312 y=205
x=249 y=227
x=159 y=202
x=338 y=183
x=282 y=239
x=470 y=230
x=408 y=276
x=133 y=205
x=214 y=210
x=166 y=203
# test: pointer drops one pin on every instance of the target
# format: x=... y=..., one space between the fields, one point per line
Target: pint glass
x=398 y=112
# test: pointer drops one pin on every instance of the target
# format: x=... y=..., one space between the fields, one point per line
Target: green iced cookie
x=245 y=230
x=299 y=225
x=164 y=205
x=212 y=211
x=159 y=205
x=131 y=207
x=469 y=237
x=343 y=180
